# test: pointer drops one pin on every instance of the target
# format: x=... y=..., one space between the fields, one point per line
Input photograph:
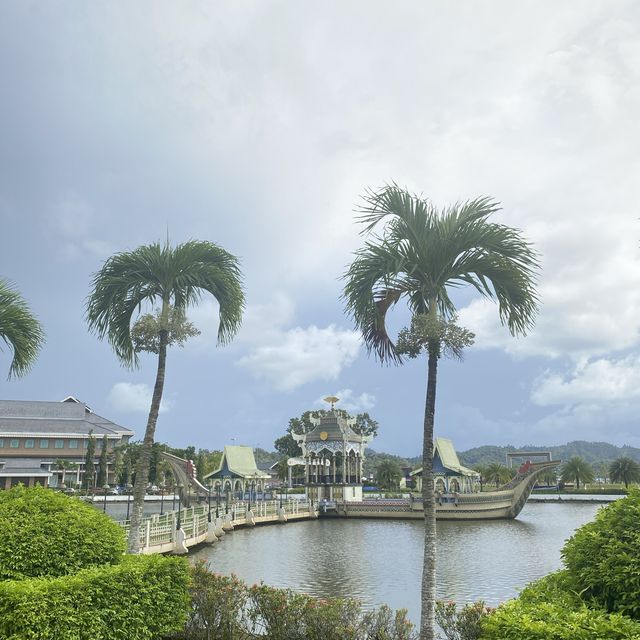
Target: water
x=380 y=561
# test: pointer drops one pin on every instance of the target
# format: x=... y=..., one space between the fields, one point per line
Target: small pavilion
x=237 y=473
x=448 y=474
x=333 y=455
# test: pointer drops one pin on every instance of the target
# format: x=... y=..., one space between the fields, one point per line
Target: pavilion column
x=334 y=467
x=344 y=466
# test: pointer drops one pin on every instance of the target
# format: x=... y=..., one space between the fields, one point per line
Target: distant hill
x=592 y=452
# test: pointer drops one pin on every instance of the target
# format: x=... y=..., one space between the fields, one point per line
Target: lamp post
x=128 y=487
x=281 y=492
x=106 y=488
x=173 y=491
x=218 y=501
x=162 y=485
x=178 y=523
x=209 y=499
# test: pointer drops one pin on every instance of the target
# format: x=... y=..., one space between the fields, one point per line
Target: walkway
x=160 y=533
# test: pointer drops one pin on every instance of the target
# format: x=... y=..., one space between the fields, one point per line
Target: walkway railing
x=160 y=533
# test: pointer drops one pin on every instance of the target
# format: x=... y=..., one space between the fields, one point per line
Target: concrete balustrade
x=160 y=533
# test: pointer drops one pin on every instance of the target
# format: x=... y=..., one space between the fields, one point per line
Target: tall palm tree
x=174 y=278
x=577 y=469
x=19 y=329
x=624 y=469
x=419 y=255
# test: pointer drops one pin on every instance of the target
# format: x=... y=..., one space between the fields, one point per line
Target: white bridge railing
x=159 y=533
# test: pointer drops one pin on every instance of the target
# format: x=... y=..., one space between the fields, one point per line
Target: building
x=46 y=442
x=333 y=455
x=237 y=474
x=448 y=474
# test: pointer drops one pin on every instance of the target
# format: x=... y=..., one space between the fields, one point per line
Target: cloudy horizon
x=259 y=126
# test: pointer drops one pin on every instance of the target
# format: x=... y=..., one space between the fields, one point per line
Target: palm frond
x=19 y=330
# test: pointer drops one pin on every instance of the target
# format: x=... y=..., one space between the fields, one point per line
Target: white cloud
x=351 y=402
x=298 y=356
x=136 y=398
x=597 y=382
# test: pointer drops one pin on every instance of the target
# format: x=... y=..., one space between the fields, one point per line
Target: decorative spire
x=331 y=400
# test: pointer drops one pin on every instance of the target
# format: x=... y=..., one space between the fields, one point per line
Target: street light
x=106 y=488
x=218 y=501
x=209 y=499
x=179 y=487
x=128 y=487
x=162 y=485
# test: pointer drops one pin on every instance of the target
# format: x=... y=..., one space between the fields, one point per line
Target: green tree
x=483 y=470
x=286 y=445
x=420 y=254
x=577 y=470
x=498 y=473
x=388 y=474
x=89 y=468
x=624 y=469
x=103 y=463
x=174 y=278
x=19 y=329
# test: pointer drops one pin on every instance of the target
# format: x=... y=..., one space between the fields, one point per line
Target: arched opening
x=454 y=486
x=440 y=486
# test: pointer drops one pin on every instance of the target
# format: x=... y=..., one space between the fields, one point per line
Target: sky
x=259 y=126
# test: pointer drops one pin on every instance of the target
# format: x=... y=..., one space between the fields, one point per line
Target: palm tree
x=483 y=471
x=388 y=474
x=174 y=278
x=19 y=329
x=498 y=473
x=624 y=469
x=577 y=469
x=419 y=256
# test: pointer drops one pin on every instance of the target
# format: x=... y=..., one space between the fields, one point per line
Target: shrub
x=48 y=533
x=463 y=624
x=603 y=557
x=225 y=608
x=140 y=599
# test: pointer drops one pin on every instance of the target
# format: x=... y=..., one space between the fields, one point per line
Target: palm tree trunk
x=142 y=467
x=428 y=596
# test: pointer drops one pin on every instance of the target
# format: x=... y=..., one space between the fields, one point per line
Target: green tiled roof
x=240 y=461
x=449 y=458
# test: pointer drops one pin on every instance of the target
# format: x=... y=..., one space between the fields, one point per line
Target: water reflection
x=381 y=561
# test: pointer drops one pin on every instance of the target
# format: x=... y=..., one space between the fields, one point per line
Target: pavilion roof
x=444 y=449
x=238 y=461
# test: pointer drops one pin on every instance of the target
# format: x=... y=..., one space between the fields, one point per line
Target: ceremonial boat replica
x=333 y=454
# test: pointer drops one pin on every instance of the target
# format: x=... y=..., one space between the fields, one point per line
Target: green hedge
x=140 y=599
x=551 y=609
x=603 y=557
x=47 y=533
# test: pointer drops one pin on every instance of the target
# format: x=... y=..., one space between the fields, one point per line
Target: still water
x=380 y=561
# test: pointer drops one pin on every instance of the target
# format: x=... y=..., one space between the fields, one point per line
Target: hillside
x=592 y=452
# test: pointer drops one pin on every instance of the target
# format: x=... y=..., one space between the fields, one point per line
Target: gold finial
x=331 y=400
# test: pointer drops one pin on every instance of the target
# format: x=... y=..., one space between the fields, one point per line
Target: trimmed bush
x=140 y=599
x=225 y=608
x=549 y=609
x=44 y=532
x=603 y=557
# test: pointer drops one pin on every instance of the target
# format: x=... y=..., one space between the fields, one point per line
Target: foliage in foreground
x=603 y=557
x=45 y=533
x=461 y=624
x=225 y=608
x=549 y=610
x=142 y=598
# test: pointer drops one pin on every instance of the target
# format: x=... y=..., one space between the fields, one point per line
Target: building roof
x=332 y=427
x=444 y=450
x=24 y=467
x=238 y=461
x=68 y=418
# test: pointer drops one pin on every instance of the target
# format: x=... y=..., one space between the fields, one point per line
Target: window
x=73 y=444
x=59 y=444
x=1 y=443
x=44 y=444
x=29 y=443
x=14 y=444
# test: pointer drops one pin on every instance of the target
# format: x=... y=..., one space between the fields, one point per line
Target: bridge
x=177 y=531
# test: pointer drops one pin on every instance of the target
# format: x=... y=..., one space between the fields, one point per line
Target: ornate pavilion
x=448 y=474
x=333 y=455
x=237 y=473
